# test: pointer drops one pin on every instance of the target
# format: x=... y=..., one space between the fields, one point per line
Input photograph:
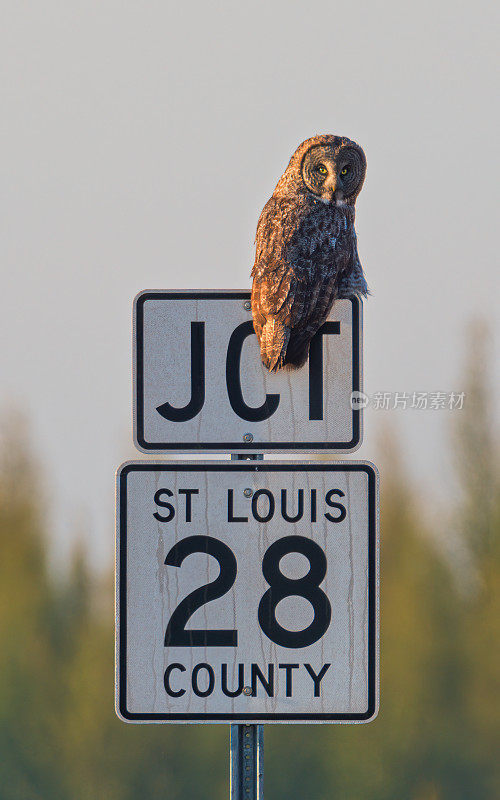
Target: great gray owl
x=306 y=254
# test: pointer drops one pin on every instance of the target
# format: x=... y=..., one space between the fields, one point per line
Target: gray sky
x=140 y=141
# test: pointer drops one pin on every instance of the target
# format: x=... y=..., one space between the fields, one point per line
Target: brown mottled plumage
x=306 y=255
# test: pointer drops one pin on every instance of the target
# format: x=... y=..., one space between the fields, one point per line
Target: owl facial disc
x=334 y=174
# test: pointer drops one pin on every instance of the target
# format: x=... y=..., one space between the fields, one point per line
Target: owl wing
x=277 y=298
x=294 y=279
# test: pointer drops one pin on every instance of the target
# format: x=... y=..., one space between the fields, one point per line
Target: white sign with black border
x=199 y=384
x=247 y=592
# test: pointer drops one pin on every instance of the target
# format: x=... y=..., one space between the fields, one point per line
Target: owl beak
x=331 y=184
x=329 y=187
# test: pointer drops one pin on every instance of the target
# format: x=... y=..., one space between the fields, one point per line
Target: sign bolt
x=248 y=691
x=247 y=305
x=248 y=437
x=247 y=492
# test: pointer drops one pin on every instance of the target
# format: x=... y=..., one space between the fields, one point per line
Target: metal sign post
x=246 y=742
x=247 y=762
x=246 y=592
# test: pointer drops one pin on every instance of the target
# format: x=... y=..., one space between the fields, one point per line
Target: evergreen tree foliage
x=437 y=733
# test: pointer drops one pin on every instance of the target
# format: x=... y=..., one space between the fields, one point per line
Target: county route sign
x=199 y=384
x=247 y=592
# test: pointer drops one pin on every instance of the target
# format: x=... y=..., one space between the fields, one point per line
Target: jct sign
x=247 y=592
x=200 y=385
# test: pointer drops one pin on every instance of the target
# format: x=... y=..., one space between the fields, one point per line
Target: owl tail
x=273 y=343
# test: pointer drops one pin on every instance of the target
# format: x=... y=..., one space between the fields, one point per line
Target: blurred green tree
x=28 y=689
x=478 y=520
x=436 y=737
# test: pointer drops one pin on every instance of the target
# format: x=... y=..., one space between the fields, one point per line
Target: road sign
x=247 y=592
x=199 y=383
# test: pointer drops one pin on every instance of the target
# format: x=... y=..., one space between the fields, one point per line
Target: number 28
x=280 y=587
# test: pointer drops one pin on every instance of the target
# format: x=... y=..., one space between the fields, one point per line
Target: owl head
x=330 y=168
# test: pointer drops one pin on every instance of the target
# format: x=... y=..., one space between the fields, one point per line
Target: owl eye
x=344 y=170
x=321 y=169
